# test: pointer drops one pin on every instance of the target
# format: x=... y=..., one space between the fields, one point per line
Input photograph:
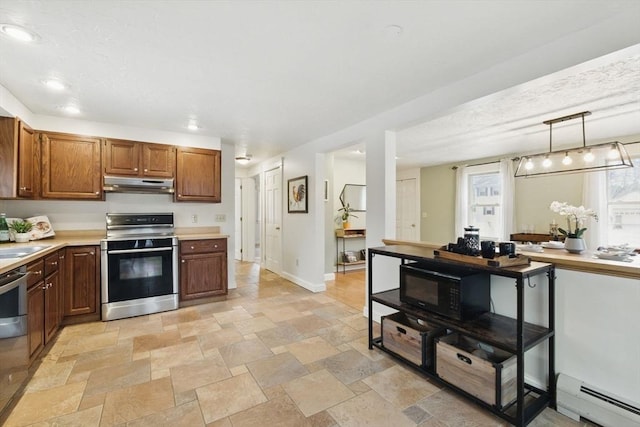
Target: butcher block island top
x=584 y=262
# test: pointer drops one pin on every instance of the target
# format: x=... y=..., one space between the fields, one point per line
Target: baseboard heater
x=576 y=399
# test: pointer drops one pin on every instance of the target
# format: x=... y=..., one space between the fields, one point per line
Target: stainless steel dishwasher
x=14 y=352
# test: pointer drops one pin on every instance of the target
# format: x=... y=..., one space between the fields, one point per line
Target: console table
x=512 y=335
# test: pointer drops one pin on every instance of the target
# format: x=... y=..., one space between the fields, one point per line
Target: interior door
x=238 y=221
x=273 y=220
x=248 y=219
x=406 y=209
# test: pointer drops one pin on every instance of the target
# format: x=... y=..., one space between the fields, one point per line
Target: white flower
x=578 y=214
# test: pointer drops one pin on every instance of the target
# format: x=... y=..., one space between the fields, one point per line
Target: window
x=484 y=202
x=484 y=199
x=623 y=205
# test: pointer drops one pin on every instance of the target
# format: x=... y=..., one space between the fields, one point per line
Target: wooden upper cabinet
x=71 y=167
x=132 y=158
x=198 y=175
x=28 y=162
x=19 y=160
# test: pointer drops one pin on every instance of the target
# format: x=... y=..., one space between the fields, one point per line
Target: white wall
x=597 y=335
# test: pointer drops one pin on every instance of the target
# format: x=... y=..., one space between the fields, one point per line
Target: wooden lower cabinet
x=35 y=320
x=52 y=296
x=203 y=268
x=35 y=307
x=82 y=281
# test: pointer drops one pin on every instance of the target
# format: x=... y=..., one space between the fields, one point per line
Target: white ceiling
x=271 y=75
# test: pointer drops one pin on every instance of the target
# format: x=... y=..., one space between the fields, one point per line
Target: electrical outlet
x=194 y=218
x=221 y=217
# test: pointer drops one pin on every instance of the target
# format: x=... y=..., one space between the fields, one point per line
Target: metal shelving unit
x=513 y=335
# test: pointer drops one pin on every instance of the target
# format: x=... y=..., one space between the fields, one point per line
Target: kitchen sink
x=20 y=252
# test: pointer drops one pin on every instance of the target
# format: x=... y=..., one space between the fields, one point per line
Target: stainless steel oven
x=14 y=351
x=139 y=265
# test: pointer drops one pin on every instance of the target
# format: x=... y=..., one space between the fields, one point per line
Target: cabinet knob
x=146 y=170
x=135 y=169
x=54 y=263
x=92 y=253
x=44 y=288
x=97 y=193
x=215 y=246
x=39 y=272
x=182 y=261
x=24 y=188
x=192 y=247
x=277 y=228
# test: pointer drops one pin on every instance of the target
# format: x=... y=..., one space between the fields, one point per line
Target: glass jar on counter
x=472 y=240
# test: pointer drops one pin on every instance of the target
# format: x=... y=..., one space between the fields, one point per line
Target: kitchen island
x=597 y=318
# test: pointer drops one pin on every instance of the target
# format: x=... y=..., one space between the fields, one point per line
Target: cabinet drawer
x=203 y=246
x=479 y=369
x=51 y=264
x=36 y=272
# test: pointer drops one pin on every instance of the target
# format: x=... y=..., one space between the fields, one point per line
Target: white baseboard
x=329 y=277
x=303 y=283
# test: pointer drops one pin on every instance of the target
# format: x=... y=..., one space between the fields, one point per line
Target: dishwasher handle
x=12 y=280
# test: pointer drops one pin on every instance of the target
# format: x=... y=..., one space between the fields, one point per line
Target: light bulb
x=54 y=84
x=589 y=157
x=567 y=160
x=613 y=153
x=528 y=165
x=547 y=162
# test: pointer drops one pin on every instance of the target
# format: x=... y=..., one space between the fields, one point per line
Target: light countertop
x=63 y=239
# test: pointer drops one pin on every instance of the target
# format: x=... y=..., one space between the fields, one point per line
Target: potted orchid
x=576 y=217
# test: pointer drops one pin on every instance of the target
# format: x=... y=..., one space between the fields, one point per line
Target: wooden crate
x=485 y=372
x=410 y=339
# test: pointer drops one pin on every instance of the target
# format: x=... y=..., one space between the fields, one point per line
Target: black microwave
x=450 y=292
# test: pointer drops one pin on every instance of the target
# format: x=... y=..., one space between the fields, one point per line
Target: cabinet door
x=71 y=167
x=203 y=275
x=198 y=175
x=28 y=172
x=51 y=305
x=35 y=320
x=19 y=174
x=121 y=157
x=82 y=280
x=62 y=278
x=158 y=160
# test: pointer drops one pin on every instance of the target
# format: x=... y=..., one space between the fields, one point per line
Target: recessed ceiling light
x=393 y=30
x=70 y=109
x=18 y=33
x=193 y=125
x=54 y=84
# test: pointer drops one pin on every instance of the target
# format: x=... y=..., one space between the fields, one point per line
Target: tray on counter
x=500 y=261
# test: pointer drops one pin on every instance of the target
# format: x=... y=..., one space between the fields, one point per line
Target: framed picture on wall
x=298 y=202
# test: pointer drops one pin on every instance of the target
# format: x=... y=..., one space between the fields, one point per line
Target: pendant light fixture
x=610 y=155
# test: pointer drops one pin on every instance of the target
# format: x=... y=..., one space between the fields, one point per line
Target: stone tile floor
x=272 y=354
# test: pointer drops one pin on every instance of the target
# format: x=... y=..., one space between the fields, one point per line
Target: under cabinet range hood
x=121 y=184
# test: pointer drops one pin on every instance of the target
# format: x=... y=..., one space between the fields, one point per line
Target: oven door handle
x=134 y=251
x=14 y=283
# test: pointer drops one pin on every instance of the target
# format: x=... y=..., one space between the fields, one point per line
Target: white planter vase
x=574 y=246
x=22 y=237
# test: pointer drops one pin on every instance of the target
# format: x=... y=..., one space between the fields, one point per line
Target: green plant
x=21 y=226
x=577 y=214
x=346 y=213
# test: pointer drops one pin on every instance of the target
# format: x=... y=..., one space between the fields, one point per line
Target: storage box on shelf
x=510 y=335
x=482 y=370
x=410 y=338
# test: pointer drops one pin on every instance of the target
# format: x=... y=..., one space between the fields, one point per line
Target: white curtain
x=508 y=198
x=462 y=200
x=594 y=196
